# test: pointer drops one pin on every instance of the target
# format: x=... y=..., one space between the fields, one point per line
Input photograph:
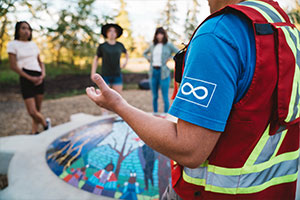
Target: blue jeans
x=113 y=80
x=164 y=84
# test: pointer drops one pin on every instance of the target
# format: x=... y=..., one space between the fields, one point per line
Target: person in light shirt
x=24 y=59
x=158 y=55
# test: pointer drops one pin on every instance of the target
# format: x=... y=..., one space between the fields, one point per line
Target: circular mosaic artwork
x=108 y=158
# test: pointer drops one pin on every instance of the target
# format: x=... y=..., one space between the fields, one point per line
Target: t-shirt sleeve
x=11 y=48
x=174 y=49
x=208 y=87
x=123 y=48
x=36 y=48
x=99 y=51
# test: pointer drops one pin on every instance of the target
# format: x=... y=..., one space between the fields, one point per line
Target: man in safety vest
x=237 y=135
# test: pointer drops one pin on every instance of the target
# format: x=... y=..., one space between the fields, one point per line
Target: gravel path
x=14 y=119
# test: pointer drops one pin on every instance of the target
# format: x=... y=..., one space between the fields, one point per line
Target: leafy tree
x=123 y=20
x=74 y=36
x=10 y=6
x=191 y=21
x=169 y=18
x=60 y=36
x=295 y=15
x=3 y=34
x=141 y=45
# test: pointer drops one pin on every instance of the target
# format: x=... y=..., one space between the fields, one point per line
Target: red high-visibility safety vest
x=257 y=155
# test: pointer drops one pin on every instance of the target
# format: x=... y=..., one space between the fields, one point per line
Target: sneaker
x=48 y=122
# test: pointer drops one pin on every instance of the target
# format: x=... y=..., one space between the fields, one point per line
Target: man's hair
x=162 y=31
x=17 y=30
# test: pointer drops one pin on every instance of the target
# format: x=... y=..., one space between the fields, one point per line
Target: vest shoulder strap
x=269 y=19
x=258 y=11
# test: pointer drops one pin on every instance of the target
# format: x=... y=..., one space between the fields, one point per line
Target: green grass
x=52 y=71
x=130 y=86
x=126 y=71
x=7 y=76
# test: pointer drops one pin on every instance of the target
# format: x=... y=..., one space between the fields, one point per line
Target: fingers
x=92 y=74
x=38 y=82
x=100 y=82
x=90 y=91
x=93 y=89
x=98 y=92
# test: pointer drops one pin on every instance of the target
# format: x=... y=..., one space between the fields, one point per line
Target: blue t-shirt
x=219 y=67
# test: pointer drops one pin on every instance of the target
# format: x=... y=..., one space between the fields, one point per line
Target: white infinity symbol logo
x=193 y=90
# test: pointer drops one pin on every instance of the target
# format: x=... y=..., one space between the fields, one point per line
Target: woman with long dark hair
x=158 y=55
x=25 y=60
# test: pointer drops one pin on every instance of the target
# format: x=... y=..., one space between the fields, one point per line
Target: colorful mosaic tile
x=108 y=158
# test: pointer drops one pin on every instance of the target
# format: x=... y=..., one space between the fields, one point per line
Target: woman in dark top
x=110 y=51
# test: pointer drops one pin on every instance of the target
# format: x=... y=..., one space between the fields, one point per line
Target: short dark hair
x=17 y=30
x=162 y=31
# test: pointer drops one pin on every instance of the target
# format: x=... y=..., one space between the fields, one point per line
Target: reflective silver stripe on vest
x=284 y=168
x=269 y=147
x=296 y=103
x=272 y=15
x=295 y=42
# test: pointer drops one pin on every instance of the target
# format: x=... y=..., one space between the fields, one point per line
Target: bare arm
x=94 y=66
x=14 y=67
x=126 y=60
x=188 y=144
x=146 y=54
x=42 y=66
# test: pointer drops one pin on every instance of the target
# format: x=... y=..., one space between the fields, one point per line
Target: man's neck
x=222 y=4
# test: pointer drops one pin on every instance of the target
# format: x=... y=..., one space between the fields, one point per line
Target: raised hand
x=104 y=96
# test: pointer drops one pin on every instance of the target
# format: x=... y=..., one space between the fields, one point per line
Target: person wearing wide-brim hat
x=110 y=51
x=107 y=26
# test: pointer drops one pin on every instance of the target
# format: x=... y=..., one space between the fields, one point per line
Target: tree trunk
x=2 y=31
x=121 y=156
x=118 y=167
x=58 y=56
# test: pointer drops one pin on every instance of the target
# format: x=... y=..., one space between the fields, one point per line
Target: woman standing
x=110 y=51
x=158 y=55
x=25 y=60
